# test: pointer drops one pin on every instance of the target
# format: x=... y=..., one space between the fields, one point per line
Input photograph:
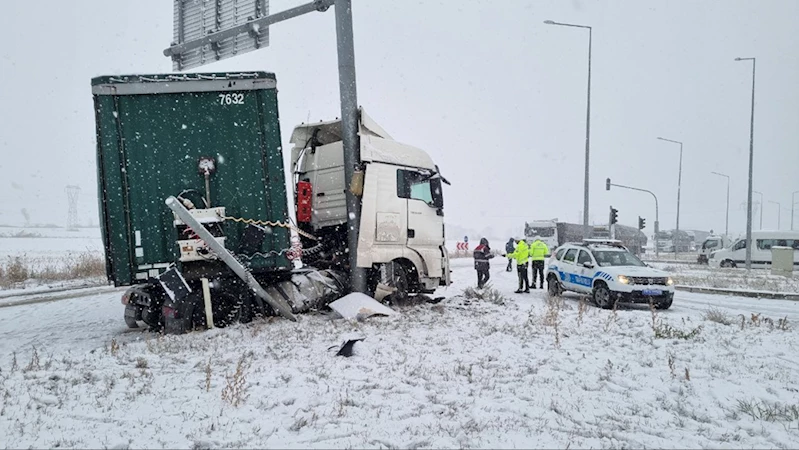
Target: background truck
x=555 y=233
x=195 y=214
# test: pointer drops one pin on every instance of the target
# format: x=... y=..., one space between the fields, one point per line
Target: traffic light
x=641 y=223
x=614 y=215
x=607 y=184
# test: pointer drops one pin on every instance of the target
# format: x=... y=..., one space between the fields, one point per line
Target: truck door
x=425 y=215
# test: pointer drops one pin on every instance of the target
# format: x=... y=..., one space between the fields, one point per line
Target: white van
x=735 y=255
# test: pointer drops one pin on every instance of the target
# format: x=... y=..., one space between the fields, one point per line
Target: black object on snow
x=346 y=348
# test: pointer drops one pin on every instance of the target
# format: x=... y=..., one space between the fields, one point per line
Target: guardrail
x=740 y=292
x=28 y=298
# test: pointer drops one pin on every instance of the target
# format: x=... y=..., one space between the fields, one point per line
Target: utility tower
x=72 y=198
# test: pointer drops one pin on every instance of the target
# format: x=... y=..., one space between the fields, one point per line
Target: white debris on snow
x=360 y=306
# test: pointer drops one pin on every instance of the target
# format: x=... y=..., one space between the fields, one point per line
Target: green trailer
x=157 y=135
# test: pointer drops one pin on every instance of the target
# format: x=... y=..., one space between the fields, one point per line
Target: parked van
x=710 y=245
x=735 y=255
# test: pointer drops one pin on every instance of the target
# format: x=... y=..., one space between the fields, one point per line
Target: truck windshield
x=607 y=258
x=540 y=231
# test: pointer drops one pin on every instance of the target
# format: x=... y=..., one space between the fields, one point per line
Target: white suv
x=610 y=273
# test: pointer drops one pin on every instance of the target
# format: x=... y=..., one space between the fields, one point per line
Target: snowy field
x=48 y=244
x=526 y=373
x=39 y=259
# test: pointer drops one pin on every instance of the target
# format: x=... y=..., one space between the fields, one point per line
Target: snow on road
x=463 y=373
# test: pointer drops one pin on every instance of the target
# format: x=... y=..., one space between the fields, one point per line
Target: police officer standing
x=538 y=251
x=510 y=246
x=521 y=254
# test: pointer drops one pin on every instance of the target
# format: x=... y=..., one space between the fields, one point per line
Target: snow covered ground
x=462 y=373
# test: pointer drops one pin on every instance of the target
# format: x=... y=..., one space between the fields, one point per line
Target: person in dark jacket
x=510 y=246
x=481 y=256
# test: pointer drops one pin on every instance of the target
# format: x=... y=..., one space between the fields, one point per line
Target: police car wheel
x=665 y=303
x=602 y=296
x=553 y=287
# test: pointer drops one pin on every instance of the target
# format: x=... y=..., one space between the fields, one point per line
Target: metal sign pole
x=349 y=134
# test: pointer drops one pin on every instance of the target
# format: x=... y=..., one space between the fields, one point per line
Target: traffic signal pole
x=608 y=184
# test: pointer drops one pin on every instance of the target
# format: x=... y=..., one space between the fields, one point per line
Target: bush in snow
x=487 y=294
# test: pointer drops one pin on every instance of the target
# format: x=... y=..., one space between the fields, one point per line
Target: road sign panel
x=194 y=19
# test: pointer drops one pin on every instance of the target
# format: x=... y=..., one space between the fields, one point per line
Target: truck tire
x=727 y=264
x=132 y=313
x=602 y=296
x=396 y=276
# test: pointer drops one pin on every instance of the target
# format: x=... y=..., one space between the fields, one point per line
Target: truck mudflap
x=446 y=279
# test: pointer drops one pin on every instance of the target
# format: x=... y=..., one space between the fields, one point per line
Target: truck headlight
x=623 y=279
x=669 y=281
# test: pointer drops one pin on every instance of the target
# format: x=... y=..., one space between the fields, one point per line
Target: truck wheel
x=602 y=296
x=396 y=276
x=553 y=286
x=727 y=264
x=665 y=303
x=131 y=314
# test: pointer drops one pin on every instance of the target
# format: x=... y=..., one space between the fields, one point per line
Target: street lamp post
x=679 y=183
x=761 y=207
x=751 y=161
x=778 y=213
x=793 y=203
x=727 y=220
x=608 y=184
x=586 y=229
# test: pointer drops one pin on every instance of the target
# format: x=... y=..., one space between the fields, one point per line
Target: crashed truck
x=195 y=215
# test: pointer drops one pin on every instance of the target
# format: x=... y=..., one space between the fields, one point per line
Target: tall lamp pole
x=751 y=161
x=793 y=203
x=727 y=220
x=679 y=183
x=586 y=229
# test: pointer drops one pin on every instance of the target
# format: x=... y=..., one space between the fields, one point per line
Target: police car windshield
x=607 y=258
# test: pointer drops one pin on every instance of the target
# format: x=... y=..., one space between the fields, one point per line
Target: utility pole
x=751 y=161
x=679 y=184
x=727 y=220
x=586 y=228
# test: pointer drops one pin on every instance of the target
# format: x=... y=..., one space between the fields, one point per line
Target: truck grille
x=649 y=280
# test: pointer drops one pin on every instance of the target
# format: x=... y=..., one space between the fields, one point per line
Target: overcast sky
x=496 y=97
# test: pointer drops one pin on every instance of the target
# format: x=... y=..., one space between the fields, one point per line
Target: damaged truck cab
x=401 y=237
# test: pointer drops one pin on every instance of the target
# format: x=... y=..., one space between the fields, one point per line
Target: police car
x=606 y=270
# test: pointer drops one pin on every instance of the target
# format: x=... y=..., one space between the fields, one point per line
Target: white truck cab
x=709 y=245
x=402 y=213
x=546 y=230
